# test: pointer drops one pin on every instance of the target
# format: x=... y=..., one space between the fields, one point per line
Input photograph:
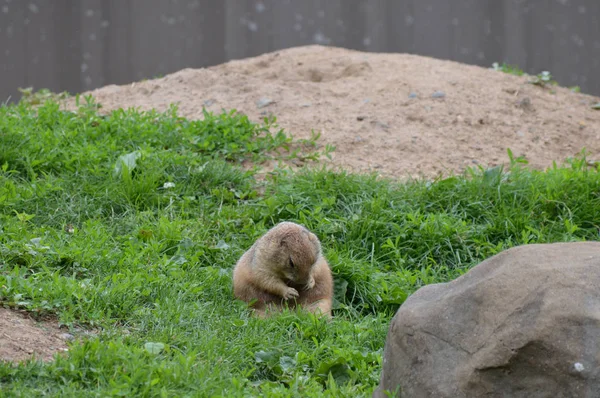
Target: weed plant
x=130 y=223
x=542 y=79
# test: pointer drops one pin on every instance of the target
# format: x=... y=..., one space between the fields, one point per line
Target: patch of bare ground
x=22 y=337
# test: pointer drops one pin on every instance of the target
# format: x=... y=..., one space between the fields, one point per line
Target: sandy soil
x=397 y=114
x=21 y=337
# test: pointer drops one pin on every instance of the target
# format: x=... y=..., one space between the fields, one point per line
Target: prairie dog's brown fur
x=285 y=266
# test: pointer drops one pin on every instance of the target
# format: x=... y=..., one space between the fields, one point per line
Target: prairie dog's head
x=289 y=250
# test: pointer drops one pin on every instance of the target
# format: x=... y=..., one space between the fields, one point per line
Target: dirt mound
x=398 y=114
x=21 y=337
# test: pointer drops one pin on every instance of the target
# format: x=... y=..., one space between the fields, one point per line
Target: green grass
x=131 y=223
x=508 y=68
x=542 y=79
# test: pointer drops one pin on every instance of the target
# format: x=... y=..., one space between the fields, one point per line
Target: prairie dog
x=285 y=266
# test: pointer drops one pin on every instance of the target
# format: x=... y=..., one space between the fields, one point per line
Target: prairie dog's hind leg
x=320 y=307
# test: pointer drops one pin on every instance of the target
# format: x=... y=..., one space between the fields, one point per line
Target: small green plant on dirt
x=507 y=68
x=303 y=150
x=543 y=79
x=155 y=77
x=131 y=222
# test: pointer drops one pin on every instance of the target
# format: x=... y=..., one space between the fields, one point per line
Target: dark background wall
x=77 y=45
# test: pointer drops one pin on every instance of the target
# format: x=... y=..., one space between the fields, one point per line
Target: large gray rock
x=523 y=323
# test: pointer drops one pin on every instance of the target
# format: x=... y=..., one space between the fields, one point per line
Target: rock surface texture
x=523 y=323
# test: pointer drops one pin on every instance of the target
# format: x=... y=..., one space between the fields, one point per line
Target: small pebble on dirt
x=305 y=105
x=67 y=336
x=261 y=103
x=358 y=138
x=382 y=125
x=438 y=94
x=413 y=95
x=524 y=103
x=360 y=118
x=209 y=102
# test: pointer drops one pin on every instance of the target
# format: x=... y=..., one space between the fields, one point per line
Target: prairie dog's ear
x=283 y=241
x=313 y=238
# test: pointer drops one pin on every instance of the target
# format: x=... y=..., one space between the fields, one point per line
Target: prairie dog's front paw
x=290 y=293
x=310 y=284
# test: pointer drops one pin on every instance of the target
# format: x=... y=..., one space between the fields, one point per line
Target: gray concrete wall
x=76 y=45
